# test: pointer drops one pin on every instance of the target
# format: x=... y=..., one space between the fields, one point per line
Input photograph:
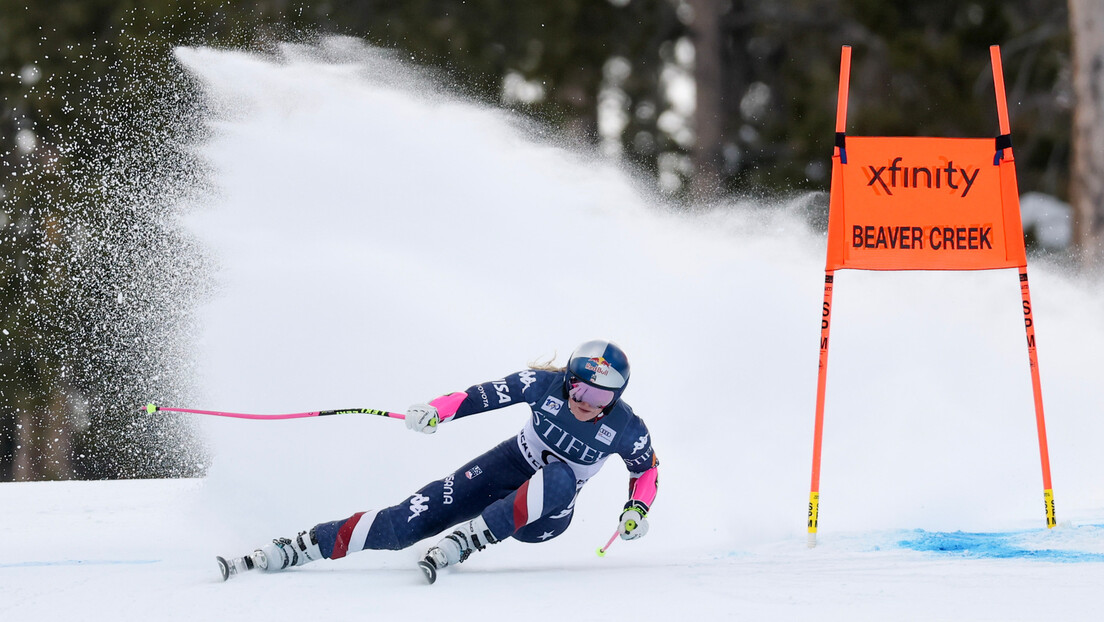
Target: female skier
x=523 y=488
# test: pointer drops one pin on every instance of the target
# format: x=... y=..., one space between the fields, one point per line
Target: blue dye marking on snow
x=1000 y=545
x=82 y=562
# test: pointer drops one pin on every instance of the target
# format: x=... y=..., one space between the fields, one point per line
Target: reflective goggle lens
x=599 y=398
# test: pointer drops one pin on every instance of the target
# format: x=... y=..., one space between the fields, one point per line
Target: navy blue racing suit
x=524 y=487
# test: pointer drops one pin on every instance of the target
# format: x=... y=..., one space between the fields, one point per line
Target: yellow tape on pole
x=1048 y=499
x=814 y=513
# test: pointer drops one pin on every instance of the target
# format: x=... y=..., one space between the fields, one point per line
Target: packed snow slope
x=382 y=242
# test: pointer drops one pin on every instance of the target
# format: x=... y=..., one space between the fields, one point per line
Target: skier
x=523 y=488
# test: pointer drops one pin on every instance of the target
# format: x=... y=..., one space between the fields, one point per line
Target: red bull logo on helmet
x=602 y=373
x=598 y=365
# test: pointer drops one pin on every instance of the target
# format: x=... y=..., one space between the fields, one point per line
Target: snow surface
x=382 y=242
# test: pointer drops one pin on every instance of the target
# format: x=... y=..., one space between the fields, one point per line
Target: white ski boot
x=235 y=565
x=456 y=547
x=282 y=553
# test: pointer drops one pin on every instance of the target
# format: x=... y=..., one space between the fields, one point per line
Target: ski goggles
x=583 y=392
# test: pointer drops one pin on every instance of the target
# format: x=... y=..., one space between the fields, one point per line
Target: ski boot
x=282 y=553
x=235 y=565
x=456 y=547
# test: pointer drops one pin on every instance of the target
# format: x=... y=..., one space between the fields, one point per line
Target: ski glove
x=422 y=418
x=634 y=521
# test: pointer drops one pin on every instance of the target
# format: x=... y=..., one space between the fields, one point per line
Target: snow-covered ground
x=382 y=243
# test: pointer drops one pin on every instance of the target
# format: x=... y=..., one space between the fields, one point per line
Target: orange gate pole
x=1037 y=390
x=1025 y=291
x=822 y=382
x=826 y=309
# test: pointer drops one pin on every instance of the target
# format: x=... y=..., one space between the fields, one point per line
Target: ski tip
x=428 y=571
x=224 y=567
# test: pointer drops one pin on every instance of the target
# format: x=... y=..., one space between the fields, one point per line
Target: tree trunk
x=707 y=156
x=1087 y=166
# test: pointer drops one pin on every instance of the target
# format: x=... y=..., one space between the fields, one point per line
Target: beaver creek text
x=907 y=237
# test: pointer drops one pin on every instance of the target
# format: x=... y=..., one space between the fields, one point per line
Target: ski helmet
x=601 y=364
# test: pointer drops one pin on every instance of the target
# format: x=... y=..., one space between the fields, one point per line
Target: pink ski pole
x=153 y=408
x=602 y=551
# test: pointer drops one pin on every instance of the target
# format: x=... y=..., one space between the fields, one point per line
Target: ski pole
x=602 y=551
x=153 y=408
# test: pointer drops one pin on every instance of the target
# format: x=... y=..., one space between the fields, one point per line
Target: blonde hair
x=548 y=365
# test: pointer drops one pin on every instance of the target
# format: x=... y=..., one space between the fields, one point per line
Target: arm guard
x=447 y=405
x=642 y=490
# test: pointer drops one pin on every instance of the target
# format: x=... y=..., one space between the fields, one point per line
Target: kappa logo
x=418 y=503
x=641 y=443
x=527 y=378
x=605 y=434
x=552 y=405
x=920 y=176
